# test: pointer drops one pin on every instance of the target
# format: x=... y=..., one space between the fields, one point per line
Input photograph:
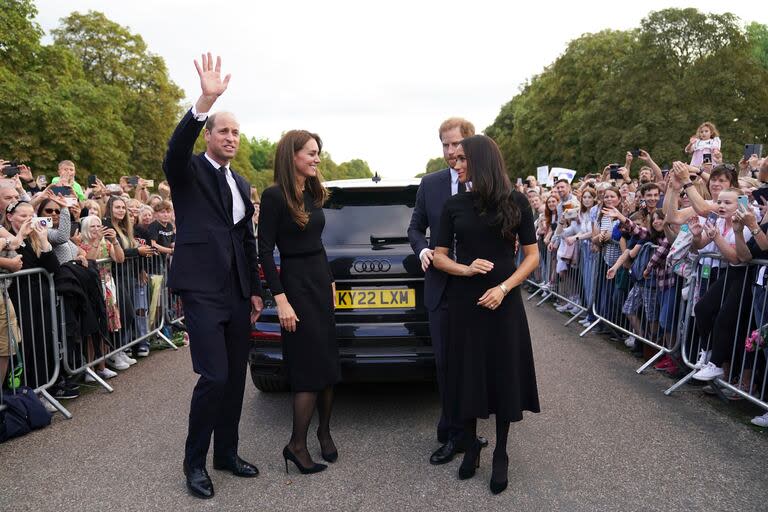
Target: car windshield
x=366 y=216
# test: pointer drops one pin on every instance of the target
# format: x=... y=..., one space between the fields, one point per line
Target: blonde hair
x=712 y=130
x=33 y=242
x=85 y=227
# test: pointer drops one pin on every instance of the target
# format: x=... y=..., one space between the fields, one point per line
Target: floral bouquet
x=756 y=340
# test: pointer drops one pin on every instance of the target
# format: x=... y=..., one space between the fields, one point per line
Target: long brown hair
x=490 y=184
x=123 y=228
x=285 y=175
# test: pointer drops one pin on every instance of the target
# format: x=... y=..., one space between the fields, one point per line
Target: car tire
x=269 y=384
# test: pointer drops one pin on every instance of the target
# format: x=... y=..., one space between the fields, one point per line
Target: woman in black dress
x=291 y=217
x=490 y=360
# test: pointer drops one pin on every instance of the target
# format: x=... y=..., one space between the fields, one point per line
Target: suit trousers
x=219 y=329
x=438 y=321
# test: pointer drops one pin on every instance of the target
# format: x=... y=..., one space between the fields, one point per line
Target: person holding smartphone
x=66 y=178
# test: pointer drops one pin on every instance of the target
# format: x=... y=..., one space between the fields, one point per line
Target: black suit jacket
x=208 y=243
x=434 y=191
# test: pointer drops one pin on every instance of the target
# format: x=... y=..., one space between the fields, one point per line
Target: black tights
x=500 y=459
x=304 y=404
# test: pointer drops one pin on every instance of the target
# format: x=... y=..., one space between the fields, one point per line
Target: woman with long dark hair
x=490 y=359
x=291 y=217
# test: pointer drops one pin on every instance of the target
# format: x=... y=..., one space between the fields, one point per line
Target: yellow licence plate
x=376 y=298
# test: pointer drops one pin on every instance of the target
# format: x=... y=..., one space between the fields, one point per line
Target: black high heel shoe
x=500 y=466
x=329 y=456
x=289 y=455
x=471 y=460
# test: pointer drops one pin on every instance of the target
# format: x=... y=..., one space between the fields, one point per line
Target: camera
x=635 y=153
x=706 y=158
x=45 y=222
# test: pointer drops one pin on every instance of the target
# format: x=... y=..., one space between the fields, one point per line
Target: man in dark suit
x=434 y=191
x=214 y=270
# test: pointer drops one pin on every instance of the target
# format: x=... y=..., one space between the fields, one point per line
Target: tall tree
x=111 y=55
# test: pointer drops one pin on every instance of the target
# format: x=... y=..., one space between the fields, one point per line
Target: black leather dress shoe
x=445 y=453
x=237 y=466
x=198 y=482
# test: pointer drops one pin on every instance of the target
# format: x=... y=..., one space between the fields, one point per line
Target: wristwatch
x=755 y=231
x=686 y=185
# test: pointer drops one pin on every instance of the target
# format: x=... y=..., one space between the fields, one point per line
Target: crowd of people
x=106 y=247
x=630 y=247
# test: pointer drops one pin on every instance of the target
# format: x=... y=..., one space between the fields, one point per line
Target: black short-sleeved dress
x=311 y=353
x=490 y=366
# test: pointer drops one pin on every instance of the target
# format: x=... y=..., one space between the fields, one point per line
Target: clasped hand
x=492 y=298
x=479 y=266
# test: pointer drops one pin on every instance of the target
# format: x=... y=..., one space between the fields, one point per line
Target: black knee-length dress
x=490 y=367
x=311 y=353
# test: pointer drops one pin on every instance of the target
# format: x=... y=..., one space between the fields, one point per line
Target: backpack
x=23 y=412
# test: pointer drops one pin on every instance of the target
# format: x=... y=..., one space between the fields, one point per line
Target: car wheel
x=269 y=384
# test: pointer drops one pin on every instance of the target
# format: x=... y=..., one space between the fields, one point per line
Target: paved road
x=607 y=439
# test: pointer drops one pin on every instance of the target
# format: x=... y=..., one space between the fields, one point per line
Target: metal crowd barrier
x=31 y=330
x=573 y=285
x=743 y=288
x=139 y=282
x=664 y=319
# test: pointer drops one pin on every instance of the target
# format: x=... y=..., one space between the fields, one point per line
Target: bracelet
x=755 y=231
x=686 y=185
x=503 y=289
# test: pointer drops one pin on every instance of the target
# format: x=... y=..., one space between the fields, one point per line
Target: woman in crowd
x=603 y=239
x=490 y=360
x=10 y=336
x=31 y=296
x=128 y=274
x=100 y=243
x=580 y=233
x=304 y=290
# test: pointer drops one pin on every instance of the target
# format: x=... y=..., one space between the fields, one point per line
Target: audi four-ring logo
x=372 y=266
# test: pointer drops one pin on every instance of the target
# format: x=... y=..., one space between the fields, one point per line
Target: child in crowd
x=705 y=142
x=162 y=232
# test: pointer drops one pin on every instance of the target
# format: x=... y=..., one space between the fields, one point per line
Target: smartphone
x=42 y=181
x=664 y=172
x=149 y=183
x=11 y=171
x=615 y=174
x=743 y=202
x=61 y=189
x=106 y=223
x=519 y=181
x=132 y=180
x=45 y=222
x=712 y=218
x=70 y=201
x=635 y=153
x=706 y=158
x=753 y=149
x=760 y=193
x=92 y=180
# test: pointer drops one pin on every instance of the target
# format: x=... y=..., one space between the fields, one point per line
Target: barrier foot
x=679 y=383
x=592 y=326
x=540 y=290
x=98 y=379
x=651 y=361
x=577 y=315
x=167 y=340
x=545 y=299
x=56 y=404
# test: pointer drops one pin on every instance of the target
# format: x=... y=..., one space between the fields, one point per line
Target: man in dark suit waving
x=215 y=271
x=434 y=191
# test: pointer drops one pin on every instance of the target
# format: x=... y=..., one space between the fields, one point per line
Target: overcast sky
x=373 y=79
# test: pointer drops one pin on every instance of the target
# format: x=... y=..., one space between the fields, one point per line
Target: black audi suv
x=381 y=322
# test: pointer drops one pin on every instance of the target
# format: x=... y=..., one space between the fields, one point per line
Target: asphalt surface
x=606 y=439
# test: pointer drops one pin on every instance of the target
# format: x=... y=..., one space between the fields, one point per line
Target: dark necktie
x=225 y=191
x=462 y=187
